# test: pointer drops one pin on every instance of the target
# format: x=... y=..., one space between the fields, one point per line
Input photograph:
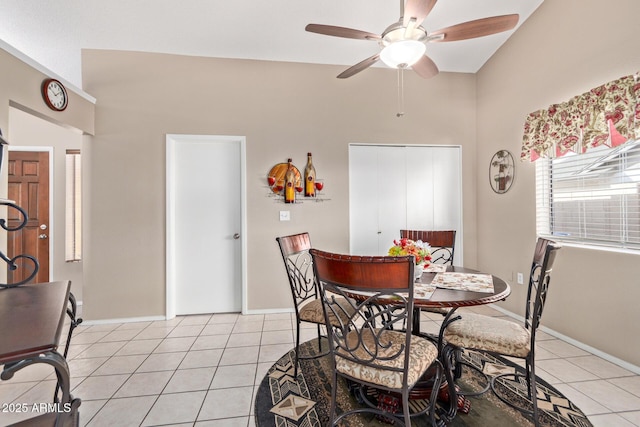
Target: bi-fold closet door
x=393 y=187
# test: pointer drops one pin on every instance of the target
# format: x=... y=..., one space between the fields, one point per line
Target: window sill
x=593 y=247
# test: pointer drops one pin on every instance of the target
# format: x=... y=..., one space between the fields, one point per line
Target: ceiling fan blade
x=425 y=67
x=331 y=30
x=478 y=28
x=418 y=10
x=359 y=66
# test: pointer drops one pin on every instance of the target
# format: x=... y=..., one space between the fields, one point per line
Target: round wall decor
x=54 y=94
x=502 y=171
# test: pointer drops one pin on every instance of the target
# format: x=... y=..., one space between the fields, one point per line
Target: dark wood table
x=31 y=323
x=452 y=300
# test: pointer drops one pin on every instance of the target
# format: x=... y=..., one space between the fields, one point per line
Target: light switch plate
x=285 y=215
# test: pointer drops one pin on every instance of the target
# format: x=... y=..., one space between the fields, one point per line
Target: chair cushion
x=476 y=331
x=312 y=312
x=422 y=354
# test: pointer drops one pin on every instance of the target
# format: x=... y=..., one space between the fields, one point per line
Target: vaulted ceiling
x=54 y=32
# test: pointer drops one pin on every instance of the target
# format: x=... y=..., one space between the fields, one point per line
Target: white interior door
x=403 y=187
x=377 y=197
x=434 y=193
x=392 y=196
x=204 y=224
x=364 y=182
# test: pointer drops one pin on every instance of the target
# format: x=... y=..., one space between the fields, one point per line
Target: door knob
x=236 y=236
x=42 y=236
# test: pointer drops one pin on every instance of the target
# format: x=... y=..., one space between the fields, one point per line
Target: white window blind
x=73 y=208
x=591 y=198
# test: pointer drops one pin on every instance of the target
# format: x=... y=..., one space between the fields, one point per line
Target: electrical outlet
x=285 y=216
x=520 y=279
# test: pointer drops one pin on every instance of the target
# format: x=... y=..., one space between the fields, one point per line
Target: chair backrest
x=297 y=262
x=384 y=286
x=539 y=278
x=442 y=243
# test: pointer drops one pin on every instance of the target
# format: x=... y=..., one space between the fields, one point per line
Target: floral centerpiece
x=421 y=252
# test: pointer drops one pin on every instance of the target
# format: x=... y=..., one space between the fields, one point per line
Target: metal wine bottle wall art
x=288 y=185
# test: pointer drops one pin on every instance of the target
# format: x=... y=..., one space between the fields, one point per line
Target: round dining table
x=453 y=299
x=469 y=288
x=425 y=296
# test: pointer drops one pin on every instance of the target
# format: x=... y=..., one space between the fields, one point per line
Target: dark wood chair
x=370 y=347
x=504 y=337
x=442 y=243
x=308 y=306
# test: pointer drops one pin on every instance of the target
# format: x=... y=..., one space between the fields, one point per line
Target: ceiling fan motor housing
x=402 y=46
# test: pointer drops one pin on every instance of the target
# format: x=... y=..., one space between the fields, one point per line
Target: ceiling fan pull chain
x=400 y=112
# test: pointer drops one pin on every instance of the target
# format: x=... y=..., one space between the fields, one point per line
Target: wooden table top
x=448 y=298
x=31 y=319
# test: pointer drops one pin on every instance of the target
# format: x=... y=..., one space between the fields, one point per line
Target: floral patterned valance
x=608 y=114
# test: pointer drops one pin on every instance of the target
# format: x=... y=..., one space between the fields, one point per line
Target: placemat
x=435 y=268
x=464 y=282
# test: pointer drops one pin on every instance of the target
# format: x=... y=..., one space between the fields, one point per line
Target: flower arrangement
x=420 y=250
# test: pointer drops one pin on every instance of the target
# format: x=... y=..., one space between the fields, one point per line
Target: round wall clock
x=54 y=94
x=502 y=171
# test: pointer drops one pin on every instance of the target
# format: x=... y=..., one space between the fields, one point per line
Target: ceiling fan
x=404 y=42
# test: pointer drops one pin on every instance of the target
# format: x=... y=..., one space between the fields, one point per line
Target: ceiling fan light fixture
x=403 y=43
x=402 y=53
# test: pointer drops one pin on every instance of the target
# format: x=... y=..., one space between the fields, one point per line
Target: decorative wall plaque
x=502 y=171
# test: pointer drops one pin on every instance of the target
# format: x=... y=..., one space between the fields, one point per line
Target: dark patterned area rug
x=285 y=401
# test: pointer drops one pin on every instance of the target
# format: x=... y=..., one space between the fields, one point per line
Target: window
x=73 y=209
x=591 y=198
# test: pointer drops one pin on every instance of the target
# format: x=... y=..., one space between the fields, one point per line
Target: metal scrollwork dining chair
x=507 y=338
x=370 y=347
x=308 y=306
x=443 y=244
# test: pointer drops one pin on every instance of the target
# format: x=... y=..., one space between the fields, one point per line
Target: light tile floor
x=204 y=371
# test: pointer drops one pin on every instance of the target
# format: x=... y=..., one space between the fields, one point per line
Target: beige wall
x=26 y=120
x=29 y=131
x=564 y=49
x=20 y=87
x=284 y=110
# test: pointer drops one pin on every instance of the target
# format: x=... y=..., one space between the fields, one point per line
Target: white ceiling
x=54 y=32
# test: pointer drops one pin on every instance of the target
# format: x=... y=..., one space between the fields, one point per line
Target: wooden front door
x=29 y=188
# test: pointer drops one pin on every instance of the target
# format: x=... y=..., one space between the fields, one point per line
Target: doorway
x=28 y=186
x=31 y=133
x=205 y=224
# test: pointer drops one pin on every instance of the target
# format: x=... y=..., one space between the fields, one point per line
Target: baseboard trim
x=269 y=311
x=155 y=318
x=606 y=356
x=123 y=320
